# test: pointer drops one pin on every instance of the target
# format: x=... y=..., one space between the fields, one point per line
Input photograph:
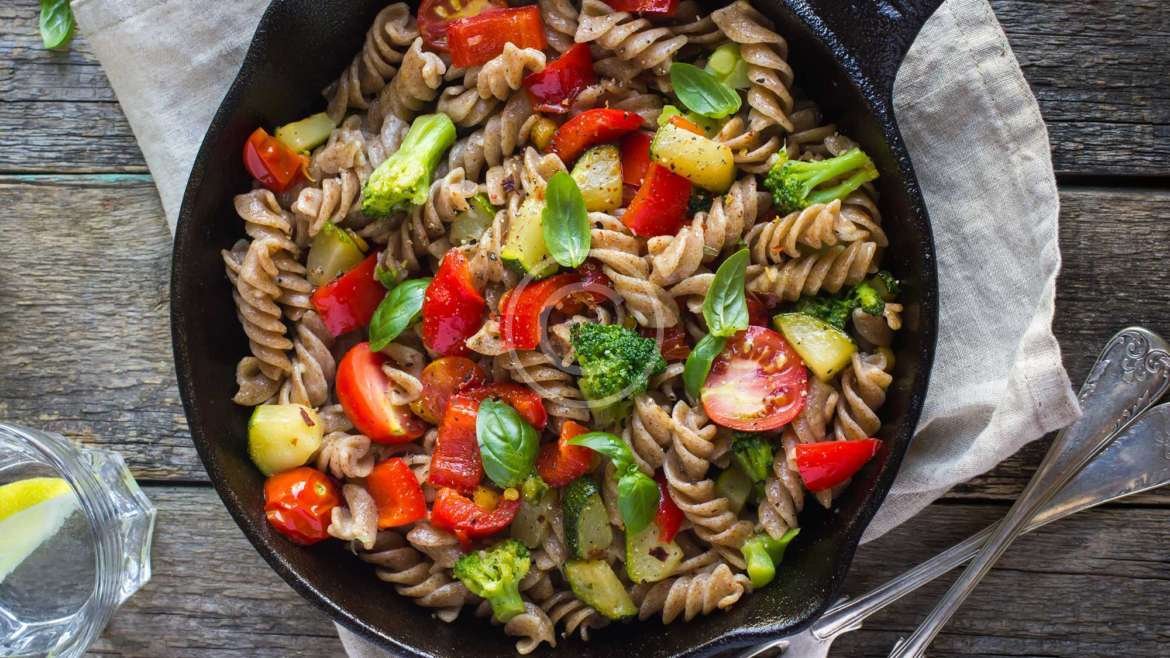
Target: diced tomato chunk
x=363 y=391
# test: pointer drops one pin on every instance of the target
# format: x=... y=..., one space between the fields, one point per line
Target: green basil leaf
x=398 y=310
x=564 y=221
x=56 y=23
x=637 y=499
x=702 y=92
x=699 y=362
x=507 y=444
x=725 y=307
x=610 y=445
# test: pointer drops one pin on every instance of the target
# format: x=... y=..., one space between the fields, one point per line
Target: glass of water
x=75 y=534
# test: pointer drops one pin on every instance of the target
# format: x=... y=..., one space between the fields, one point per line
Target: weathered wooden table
x=85 y=351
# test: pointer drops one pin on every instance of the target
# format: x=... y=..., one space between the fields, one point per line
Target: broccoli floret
x=404 y=179
x=753 y=454
x=495 y=574
x=794 y=184
x=533 y=488
x=616 y=364
x=870 y=296
x=762 y=554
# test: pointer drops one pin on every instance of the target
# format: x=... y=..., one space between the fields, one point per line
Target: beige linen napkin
x=964 y=110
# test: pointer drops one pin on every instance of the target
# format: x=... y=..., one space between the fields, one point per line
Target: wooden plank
x=110 y=239
x=1095 y=566
x=1109 y=114
x=85 y=341
x=211 y=594
x=55 y=136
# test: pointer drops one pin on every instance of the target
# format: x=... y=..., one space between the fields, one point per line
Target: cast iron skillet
x=845 y=54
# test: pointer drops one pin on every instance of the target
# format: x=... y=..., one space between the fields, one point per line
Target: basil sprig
x=637 y=492
x=725 y=306
x=702 y=92
x=507 y=444
x=699 y=361
x=565 y=222
x=56 y=23
x=397 y=311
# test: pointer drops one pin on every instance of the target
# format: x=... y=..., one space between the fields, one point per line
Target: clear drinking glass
x=87 y=544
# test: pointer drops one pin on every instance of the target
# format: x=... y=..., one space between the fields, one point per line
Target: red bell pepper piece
x=660 y=206
x=362 y=389
x=455 y=512
x=645 y=7
x=554 y=88
x=436 y=16
x=592 y=127
x=299 y=504
x=827 y=464
x=396 y=493
x=271 y=162
x=522 y=307
x=455 y=461
x=479 y=38
x=349 y=302
x=635 y=157
x=560 y=463
x=452 y=308
x=521 y=398
x=669 y=517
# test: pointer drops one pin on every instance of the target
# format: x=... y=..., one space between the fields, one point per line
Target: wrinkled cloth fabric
x=964 y=109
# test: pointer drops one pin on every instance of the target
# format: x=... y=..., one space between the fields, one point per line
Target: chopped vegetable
x=334 y=252
x=560 y=463
x=543 y=130
x=587 y=530
x=824 y=348
x=649 y=559
x=645 y=7
x=283 y=436
x=598 y=175
x=363 y=391
x=635 y=149
x=553 y=89
x=762 y=553
x=704 y=162
x=349 y=302
x=669 y=517
x=870 y=296
x=403 y=181
x=495 y=574
x=470 y=224
x=531 y=525
x=590 y=128
x=753 y=454
x=455 y=460
x=270 y=162
x=729 y=67
x=696 y=123
x=443 y=379
x=660 y=205
x=477 y=39
x=522 y=307
x=827 y=464
x=396 y=493
x=524 y=248
x=452 y=308
x=467 y=521
x=595 y=583
x=616 y=364
x=796 y=184
x=735 y=486
x=299 y=504
x=674 y=345
x=757 y=383
x=307 y=134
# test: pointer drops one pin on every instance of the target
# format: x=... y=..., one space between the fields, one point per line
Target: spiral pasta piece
x=393 y=29
x=711 y=514
x=634 y=44
x=345 y=456
x=783 y=491
x=622 y=261
x=313 y=365
x=766 y=53
x=692 y=439
x=795 y=234
x=564 y=609
x=863 y=390
x=503 y=135
x=560 y=23
x=414 y=576
x=533 y=627
x=252 y=270
x=440 y=546
x=357 y=521
x=828 y=270
x=754 y=152
x=649 y=433
x=630 y=96
x=416 y=84
x=690 y=596
x=557 y=388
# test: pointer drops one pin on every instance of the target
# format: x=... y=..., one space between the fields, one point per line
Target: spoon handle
x=1134 y=462
x=1130 y=374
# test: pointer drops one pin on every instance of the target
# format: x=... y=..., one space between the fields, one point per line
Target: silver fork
x=1136 y=460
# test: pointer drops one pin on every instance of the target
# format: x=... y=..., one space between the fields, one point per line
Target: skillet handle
x=877 y=33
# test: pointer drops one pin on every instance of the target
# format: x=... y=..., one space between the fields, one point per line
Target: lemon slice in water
x=31 y=511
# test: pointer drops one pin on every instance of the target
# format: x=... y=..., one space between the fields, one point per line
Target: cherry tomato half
x=443 y=379
x=362 y=390
x=757 y=382
x=435 y=16
x=299 y=504
x=272 y=163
